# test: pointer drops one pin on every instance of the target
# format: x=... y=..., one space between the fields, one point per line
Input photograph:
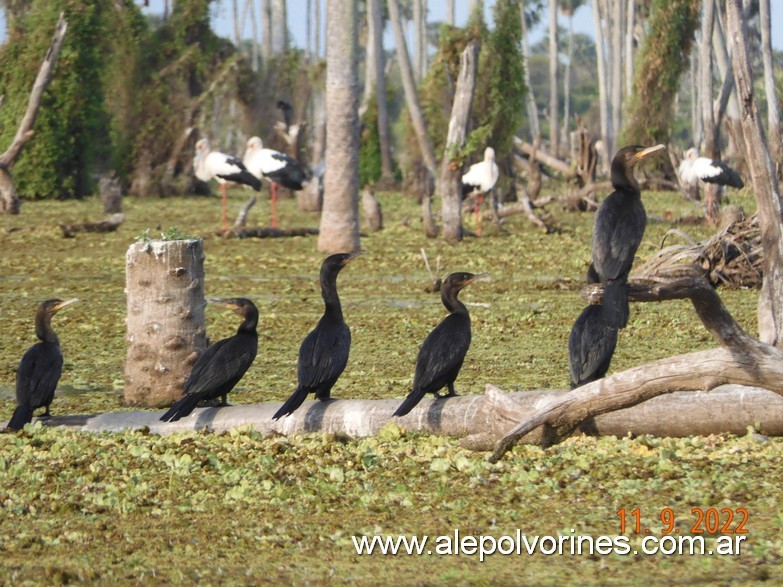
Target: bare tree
x=9 y=200
x=554 y=111
x=449 y=186
x=603 y=88
x=630 y=23
x=450 y=17
x=617 y=69
x=418 y=38
x=765 y=185
x=375 y=20
x=339 y=231
x=530 y=100
x=266 y=30
x=773 y=116
x=414 y=110
x=710 y=142
x=279 y=27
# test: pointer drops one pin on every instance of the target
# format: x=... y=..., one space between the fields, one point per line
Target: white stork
x=481 y=178
x=222 y=168
x=276 y=167
x=694 y=168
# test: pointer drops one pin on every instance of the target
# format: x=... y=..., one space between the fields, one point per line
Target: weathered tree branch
x=742 y=360
x=9 y=201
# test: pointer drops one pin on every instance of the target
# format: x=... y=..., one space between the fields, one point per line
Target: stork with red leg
x=222 y=168
x=276 y=167
x=480 y=178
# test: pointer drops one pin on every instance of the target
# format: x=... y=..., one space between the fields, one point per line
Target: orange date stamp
x=700 y=521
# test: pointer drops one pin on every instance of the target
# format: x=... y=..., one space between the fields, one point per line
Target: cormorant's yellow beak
x=479 y=277
x=649 y=151
x=61 y=305
x=352 y=256
x=225 y=303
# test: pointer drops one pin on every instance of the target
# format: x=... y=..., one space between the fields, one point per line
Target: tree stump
x=166 y=328
x=371 y=207
x=110 y=188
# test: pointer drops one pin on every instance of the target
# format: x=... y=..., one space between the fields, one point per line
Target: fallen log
x=544 y=157
x=270 y=232
x=109 y=224
x=479 y=420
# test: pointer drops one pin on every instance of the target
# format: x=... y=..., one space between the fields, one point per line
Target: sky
x=583 y=19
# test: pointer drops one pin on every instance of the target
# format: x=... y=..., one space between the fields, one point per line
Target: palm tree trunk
x=279 y=27
x=567 y=78
x=266 y=31
x=450 y=17
x=710 y=143
x=339 y=230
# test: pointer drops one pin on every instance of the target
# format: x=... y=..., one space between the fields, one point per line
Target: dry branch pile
x=732 y=257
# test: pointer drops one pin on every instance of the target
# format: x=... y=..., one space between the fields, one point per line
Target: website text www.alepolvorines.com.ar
x=564 y=544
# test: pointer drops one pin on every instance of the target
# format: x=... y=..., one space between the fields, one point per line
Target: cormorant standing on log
x=324 y=352
x=219 y=368
x=617 y=233
x=443 y=352
x=40 y=367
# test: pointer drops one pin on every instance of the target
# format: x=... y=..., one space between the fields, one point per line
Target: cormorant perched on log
x=219 y=368
x=590 y=346
x=324 y=352
x=40 y=367
x=694 y=168
x=443 y=352
x=617 y=233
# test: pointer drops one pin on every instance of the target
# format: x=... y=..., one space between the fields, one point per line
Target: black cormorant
x=40 y=367
x=220 y=367
x=324 y=352
x=441 y=356
x=617 y=233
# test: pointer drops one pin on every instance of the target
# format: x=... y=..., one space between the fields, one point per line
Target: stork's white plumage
x=276 y=167
x=481 y=177
x=694 y=168
x=222 y=168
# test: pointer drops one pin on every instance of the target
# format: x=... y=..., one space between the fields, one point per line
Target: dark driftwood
x=269 y=232
x=9 y=200
x=479 y=420
x=109 y=224
x=741 y=360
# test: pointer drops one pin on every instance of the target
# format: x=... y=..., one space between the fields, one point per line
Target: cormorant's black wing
x=591 y=346
x=618 y=231
x=39 y=371
x=222 y=363
x=324 y=353
x=442 y=353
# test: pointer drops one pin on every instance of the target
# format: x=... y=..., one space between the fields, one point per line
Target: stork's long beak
x=61 y=305
x=649 y=151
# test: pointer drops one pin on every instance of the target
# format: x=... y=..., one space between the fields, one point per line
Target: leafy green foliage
x=662 y=59
x=71 y=129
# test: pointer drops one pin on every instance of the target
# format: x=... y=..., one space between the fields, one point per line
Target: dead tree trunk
x=9 y=200
x=165 y=298
x=765 y=185
x=449 y=186
x=373 y=214
x=741 y=360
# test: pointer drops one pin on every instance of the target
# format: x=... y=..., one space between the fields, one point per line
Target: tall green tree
x=72 y=130
x=662 y=60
